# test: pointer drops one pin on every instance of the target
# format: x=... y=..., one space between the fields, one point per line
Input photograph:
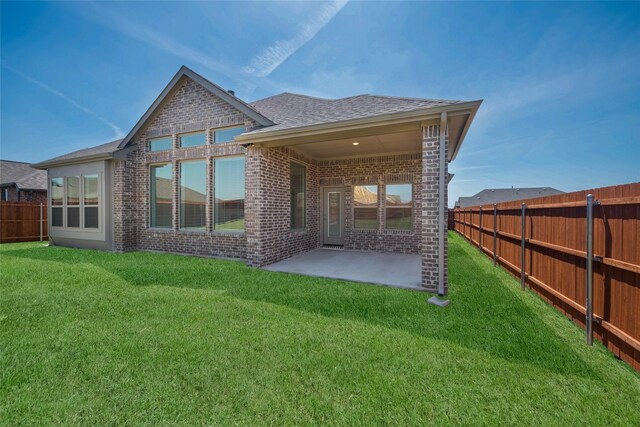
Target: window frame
x=203 y=228
x=81 y=204
x=213 y=195
x=305 y=192
x=216 y=130
x=203 y=132
x=376 y=207
x=150 y=222
x=410 y=208
x=150 y=140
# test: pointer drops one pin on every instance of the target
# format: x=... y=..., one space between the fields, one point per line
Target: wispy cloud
x=118 y=132
x=136 y=30
x=270 y=58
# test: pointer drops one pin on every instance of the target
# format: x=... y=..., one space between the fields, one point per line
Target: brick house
x=19 y=182
x=205 y=173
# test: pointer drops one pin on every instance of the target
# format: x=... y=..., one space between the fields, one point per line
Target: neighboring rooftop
x=290 y=110
x=490 y=196
x=22 y=175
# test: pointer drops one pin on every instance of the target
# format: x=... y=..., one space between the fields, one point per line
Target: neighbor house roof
x=290 y=110
x=490 y=196
x=22 y=175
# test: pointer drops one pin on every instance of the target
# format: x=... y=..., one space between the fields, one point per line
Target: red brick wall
x=269 y=234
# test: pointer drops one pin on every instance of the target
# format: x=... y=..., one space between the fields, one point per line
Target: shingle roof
x=23 y=175
x=290 y=110
x=107 y=148
x=490 y=196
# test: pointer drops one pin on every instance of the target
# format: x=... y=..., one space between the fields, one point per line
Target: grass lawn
x=143 y=338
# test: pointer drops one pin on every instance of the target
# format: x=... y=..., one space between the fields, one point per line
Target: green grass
x=144 y=338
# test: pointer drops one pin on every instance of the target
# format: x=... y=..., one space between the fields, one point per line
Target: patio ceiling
x=392 y=143
x=397 y=133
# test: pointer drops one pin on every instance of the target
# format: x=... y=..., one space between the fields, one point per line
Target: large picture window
x=193 y=139
x=226 y=135
x=365 y=206
x=298 y=178
x=193 y=195
x=229 y=194
x=75 y=201
x=161 y=191
x=399 y=206
x=161 y=144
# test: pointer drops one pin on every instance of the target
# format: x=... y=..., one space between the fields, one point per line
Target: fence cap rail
x=634 y=200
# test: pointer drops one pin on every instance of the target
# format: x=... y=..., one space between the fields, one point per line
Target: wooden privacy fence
x=23 y=222
x=549 y=237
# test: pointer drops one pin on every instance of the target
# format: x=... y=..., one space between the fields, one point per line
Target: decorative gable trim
x=185 y=72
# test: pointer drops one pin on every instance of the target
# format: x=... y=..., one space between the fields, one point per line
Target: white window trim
x=81 y=205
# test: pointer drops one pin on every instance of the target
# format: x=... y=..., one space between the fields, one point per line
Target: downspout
x=441 y=203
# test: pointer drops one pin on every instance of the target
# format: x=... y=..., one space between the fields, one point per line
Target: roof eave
x=76 y=160
x=393 y=118
x=474 y=111
x=213 y=88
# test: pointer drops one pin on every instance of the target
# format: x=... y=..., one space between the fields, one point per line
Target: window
x=365 y=206
x=229 y=194
x=193 y=194
x=73 y=201
x=193 y=139
x=5 y=194
x=399 y=206
x=160 y=144
x=298 y=178
x=57 y=194
x=226 y=135
x=91 y=209
x=161 y=195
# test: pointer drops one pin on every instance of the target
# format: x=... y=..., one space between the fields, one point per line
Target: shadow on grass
x=485 y=314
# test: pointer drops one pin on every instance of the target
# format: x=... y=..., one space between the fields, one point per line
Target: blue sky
x=560 y=81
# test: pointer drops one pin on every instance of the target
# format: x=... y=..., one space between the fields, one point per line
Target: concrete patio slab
x=397 y=270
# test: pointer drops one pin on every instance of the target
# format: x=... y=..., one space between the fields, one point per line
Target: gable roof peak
x=221 y=93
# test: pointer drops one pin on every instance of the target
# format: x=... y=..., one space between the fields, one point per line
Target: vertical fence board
x=616 y=234
x=20 y=222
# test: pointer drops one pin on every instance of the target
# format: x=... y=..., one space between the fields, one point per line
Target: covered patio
x=390 y=269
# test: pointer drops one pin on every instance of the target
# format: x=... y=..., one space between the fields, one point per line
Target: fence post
x=41 y=222
x=480 y=230
x=589 y=303
x=522 y=247
x=495 y=234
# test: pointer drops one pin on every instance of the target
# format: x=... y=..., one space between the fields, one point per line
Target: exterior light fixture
x=356 y=143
